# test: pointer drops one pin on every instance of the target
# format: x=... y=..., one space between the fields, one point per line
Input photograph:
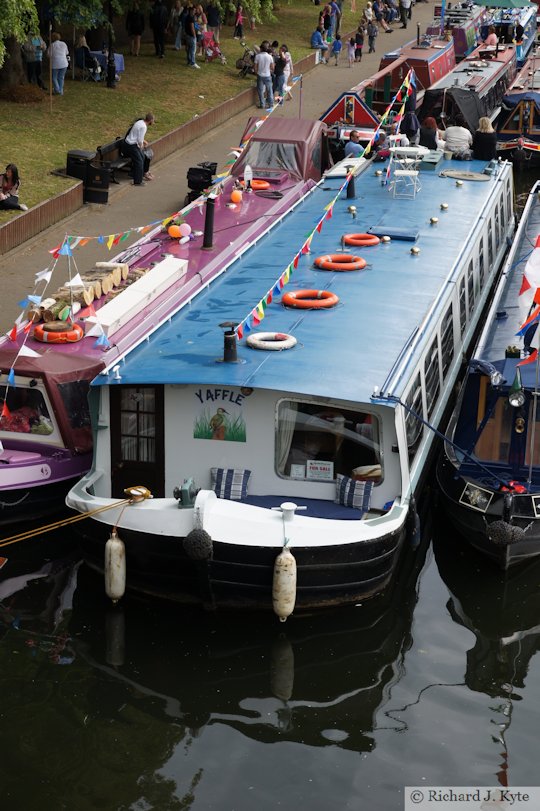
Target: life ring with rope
x=340 y=261
x=55 y=332
x=361 y=240
x=310 y=299
x=271 y=340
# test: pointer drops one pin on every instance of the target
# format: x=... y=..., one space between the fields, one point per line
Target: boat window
x=317 y=442
x=27 y=411
x=138 y=424
x=432 y=377
x=513 y=122
x=470 y=286
x=447 y=340
x=490 y=243
x=413 y=425
x=497 y=228
x=481 y=265
x=273 y=155
x=462 y=306
x=534 y=124
x=508 y=202
x=75 y=398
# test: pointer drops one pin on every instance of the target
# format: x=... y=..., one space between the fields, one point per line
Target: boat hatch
x=502 y=436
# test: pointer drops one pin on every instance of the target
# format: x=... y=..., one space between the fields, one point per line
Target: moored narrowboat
x=488 y=472
x=287 y=478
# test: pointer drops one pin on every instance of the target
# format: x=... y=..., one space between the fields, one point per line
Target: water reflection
x=102 y=698
x=502 y=610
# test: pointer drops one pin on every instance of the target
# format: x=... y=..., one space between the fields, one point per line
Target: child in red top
x=238 y=24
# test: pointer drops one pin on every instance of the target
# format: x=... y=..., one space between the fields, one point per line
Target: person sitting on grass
x=318 y=43
x=10 y=185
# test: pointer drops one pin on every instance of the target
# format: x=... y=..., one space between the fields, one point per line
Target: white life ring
x=271 y=340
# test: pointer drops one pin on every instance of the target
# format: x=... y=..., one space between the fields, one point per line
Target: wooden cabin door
x=137 y=439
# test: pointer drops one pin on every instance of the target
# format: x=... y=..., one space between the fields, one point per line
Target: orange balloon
x=174 y=231
x=236 y=196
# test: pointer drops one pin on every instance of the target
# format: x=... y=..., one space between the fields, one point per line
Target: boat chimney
x=208 y=238
x=418 y=33
x=229 y=342
x=351 y=193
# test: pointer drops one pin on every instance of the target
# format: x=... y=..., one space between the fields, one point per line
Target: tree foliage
x=17 y=18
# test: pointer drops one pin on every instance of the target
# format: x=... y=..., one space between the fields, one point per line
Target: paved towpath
x=132 y=206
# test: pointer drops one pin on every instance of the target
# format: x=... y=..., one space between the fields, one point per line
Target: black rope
x=445 y=438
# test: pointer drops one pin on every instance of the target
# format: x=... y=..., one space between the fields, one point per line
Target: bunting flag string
x=259 y=311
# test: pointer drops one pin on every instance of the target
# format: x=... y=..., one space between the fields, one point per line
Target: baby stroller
x=246 y=64
x=211 y=49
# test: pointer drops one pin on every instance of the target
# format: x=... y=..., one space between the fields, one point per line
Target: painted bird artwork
x=218 y=424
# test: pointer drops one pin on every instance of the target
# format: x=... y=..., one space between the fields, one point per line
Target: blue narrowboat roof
x=508 y=316
x=343 y=352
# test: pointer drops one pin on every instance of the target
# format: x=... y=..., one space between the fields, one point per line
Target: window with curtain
x=316 y=442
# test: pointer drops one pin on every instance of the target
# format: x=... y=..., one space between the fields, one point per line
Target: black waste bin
x=96 y=187
x=77 y=163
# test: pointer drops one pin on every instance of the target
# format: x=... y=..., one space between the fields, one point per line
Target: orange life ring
x=361 y=240
x=70 y=336
x=340 y=261
x=257 y=185
x=310 y=299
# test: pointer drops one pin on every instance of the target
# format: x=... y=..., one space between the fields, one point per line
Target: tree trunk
x=13 y=71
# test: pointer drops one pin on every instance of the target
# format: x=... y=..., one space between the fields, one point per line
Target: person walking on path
x=405 y=10
x=158 y=24
x=351 y=51
x=264 y=67
x=134 y=147
x=135 y=28
x=284 y=51
x=359 y=42
x=372 y=31
x=337 y=47
x=59 y=56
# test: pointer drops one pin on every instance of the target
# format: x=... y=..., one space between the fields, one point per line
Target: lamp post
x=111 y=66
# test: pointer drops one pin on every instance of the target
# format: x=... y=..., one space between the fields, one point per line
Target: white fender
x=284 y=585
x=115 y=567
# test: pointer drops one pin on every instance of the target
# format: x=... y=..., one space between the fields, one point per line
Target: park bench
x=110 y=156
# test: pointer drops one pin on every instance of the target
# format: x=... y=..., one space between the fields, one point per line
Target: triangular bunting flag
x=26 y=352
x=239 y=332
x=110 y=241
x=13 y=334
x=5 y=411
x=76 y=281
x=44 y=275
x=532 y=357
x=65 y=250
x=11 y=377
x=28 y=326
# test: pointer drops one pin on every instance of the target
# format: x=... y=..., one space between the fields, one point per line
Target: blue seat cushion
x=316 y=507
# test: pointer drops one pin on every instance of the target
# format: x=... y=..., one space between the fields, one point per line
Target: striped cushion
x=230 y=483
x=351 y=493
